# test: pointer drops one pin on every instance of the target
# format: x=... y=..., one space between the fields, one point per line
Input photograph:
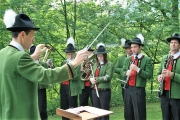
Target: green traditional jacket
x=119 y=67
x=175 y=79
x=19 y=77
x=75 y=84
x=42 y=86
x=106 y=70
x=145 y=73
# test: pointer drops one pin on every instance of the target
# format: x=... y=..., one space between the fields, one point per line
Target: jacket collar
x=17 y=45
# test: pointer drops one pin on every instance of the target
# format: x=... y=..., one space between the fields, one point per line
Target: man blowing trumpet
x=20 y=75
x=170 y=78
x=137 y=69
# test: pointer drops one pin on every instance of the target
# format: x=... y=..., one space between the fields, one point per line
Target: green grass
x=153 y=112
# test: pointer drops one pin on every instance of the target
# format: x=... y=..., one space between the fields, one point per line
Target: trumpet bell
x=48 y=52
x=86 y=72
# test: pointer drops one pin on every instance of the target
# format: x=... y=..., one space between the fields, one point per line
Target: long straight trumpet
x=127 y=79
x=161 y=83
x=94 y=84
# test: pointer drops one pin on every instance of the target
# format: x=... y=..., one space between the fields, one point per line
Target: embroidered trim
x=70 y=70
x=67 y=69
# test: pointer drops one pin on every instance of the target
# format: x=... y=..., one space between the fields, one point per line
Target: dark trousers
x=102 y=102
x=84 y=97
x=122 y=91
x=170 y=107
x=42 y=103
x=67 y=101
x=135 y=103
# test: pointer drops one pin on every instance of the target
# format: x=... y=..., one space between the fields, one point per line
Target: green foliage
x=155 y=19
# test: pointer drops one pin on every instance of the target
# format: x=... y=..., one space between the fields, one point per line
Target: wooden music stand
x=89 y=113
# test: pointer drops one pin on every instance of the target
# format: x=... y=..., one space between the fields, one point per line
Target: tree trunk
x=175 y=14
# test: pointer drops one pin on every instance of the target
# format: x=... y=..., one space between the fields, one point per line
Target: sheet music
x=76 y=110
x=95 y=111
x=92 y=110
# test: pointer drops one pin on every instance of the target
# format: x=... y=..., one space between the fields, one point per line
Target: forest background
x=156 y=20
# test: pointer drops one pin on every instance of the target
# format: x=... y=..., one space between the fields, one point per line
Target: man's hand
x=38 y=51
x=133 y=67
x=166 y=72
x=93 y=80
x=160 y=78
x=128 y=73
x=80 y=57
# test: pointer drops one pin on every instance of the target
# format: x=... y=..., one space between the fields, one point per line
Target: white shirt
x=175 y=56
x=139 y=55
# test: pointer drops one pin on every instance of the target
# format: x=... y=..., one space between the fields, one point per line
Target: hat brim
x=100 y=52
x=133 y=42
x=90 y=50
x=173 y=38
x=126 y=46
x=21 y=28
x=69 y=51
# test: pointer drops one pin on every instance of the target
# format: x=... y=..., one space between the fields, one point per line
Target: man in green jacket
x=70 y=89
x=137 y=70
x=169 y=78
x=119 y=64
x=20 y=75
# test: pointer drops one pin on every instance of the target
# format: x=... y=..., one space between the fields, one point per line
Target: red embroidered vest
x=87 y=83
x=132 y=78
x=96 y=75
x=65 y=82
x=167 y=81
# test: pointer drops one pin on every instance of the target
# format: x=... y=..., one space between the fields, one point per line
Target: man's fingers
x=43 y=49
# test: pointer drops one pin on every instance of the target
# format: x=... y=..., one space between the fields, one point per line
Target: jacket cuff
x=139 y=71
x=71 y=71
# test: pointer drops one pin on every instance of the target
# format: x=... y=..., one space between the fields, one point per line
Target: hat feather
x=99 y=44
x=70 y=41
x=9 y=18
x=123 y=42
x=140 y=36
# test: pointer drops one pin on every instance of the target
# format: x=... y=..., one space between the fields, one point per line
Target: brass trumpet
x=86 y=70
x=127 y=78
x=48 y=52
x=161 y=84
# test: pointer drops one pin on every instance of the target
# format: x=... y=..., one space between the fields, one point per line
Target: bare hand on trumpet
x=166 y=72
x=93 y=80
x=160 y=77
x=80 y=57
x=38 y=51
x=132 y=67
